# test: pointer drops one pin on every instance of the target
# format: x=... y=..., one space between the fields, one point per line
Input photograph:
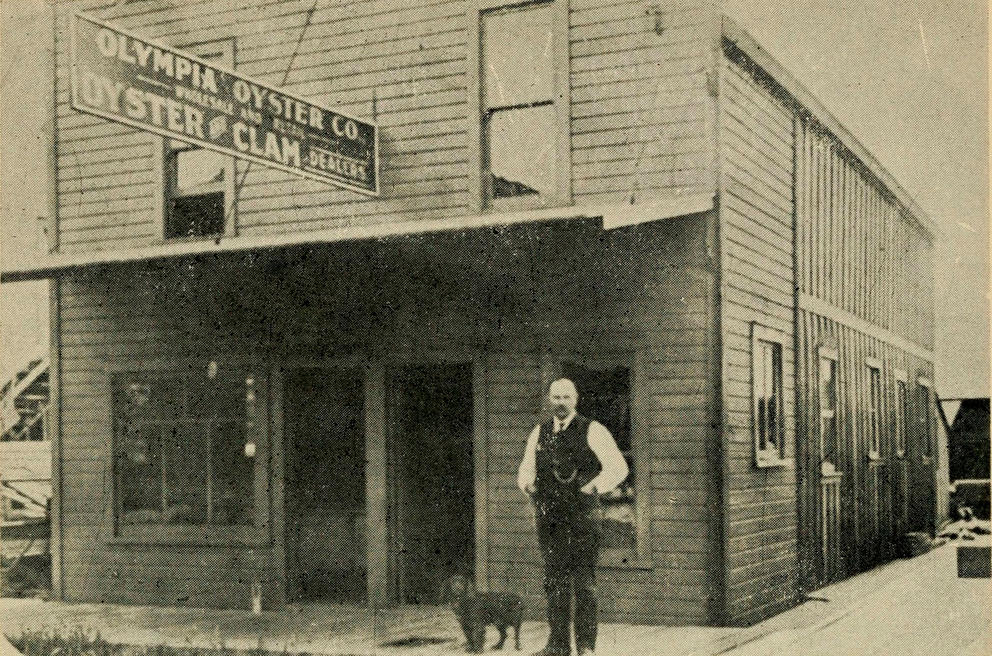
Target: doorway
x=325 y=485
x=433 y=478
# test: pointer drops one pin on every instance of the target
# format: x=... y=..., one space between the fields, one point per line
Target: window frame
x=640 y=445
x=163 y=169
x=901 y=412
x=928 y=419
x=480 y=193
x=253 y=534
x=875 y=408
x=828 y=414
x=764 y=457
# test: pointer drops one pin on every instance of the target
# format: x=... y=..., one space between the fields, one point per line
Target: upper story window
x=768 y=396
x=521 y=107
x=198 y=183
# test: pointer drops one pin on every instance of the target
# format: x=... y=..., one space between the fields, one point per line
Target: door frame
x=380 y=513
x=280 y=435
x=392 y=585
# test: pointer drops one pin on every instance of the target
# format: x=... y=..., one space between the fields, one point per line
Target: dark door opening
x=434 y=478
x=325 y=485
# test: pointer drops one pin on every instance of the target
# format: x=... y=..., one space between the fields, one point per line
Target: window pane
x=197 y=170
x=195 y=216
x=522 y=151
x=185 y=461
x=517 y=56
x=182 y=451
x=233 y=475
x=139 y=472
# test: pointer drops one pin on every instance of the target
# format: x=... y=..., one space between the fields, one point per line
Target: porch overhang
x=613 y=216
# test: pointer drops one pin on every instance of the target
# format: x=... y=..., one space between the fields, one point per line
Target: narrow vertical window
x=902 y=407
x=197 y=183
x=519 y=123
x=768 y=403
x=927 y=425
x=874 y=410
x=828 y=410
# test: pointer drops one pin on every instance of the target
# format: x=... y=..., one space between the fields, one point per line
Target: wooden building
x=263 y=381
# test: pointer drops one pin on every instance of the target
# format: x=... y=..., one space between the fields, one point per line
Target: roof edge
x=804 y=98
x=656 y=208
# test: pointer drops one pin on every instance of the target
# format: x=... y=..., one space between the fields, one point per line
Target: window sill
x=216 y=536
x=165 y=241
x=522 y=203
x=769 y=462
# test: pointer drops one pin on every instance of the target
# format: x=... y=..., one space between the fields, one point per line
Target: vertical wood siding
x=638 y=110
x=756 y=138
x=858 y=251
x=860 y=254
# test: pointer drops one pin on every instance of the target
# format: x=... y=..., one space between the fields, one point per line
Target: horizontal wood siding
x=639 y=101
x=756 y=137
x=638 y=110
x=500 y=299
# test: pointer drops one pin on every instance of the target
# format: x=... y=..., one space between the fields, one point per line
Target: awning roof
x=613 y=216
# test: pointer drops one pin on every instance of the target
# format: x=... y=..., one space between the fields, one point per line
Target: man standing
x=568 y=462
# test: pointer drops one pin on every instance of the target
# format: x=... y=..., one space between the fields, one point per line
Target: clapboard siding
x=638 y=110
x=653 y=295
x=756 y=143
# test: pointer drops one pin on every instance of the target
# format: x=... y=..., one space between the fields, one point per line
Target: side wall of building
x=639 y=124
x=815 y=248
x=865 y=282
x=756 y=136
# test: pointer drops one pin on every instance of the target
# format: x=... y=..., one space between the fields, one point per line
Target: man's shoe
x=586 y=651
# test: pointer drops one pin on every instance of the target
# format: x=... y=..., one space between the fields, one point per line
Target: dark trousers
x=568 y=531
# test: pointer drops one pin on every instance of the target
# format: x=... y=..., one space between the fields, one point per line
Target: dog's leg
x=516 y=631
x=502 y=637
x=479 y=638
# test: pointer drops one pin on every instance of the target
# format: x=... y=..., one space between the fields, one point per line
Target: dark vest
x=565 y=462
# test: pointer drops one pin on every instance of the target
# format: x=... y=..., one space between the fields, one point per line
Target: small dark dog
x=477 y=610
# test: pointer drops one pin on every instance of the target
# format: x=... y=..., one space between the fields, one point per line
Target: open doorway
x=434 y=482
x=325 y=485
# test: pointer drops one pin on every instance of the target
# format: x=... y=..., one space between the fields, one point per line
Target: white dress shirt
x=614 y=466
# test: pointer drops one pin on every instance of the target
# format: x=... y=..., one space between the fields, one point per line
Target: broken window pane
x=522 y=151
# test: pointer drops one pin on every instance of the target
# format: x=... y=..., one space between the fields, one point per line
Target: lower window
x=183 y=451
x=604 y=395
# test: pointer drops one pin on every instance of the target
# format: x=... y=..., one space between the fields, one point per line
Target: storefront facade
x=270 y=388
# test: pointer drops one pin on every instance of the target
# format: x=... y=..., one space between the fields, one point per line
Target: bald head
x=562 y=397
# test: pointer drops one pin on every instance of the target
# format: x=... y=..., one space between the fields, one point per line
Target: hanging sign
x=150 y=86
